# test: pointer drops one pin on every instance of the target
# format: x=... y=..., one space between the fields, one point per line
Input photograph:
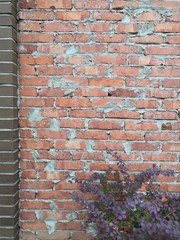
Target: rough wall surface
x=9 y=175
x=95 y=75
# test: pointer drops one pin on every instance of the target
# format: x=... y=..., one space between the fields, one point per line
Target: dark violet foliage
x=122 y=212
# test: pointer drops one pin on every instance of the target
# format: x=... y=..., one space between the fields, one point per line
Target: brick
x=128 y=136
x=53 y=195
x=26 y=133
x=163 y=157
x=27 y=195
x=145 y=61
x=70 y=206
x=171 y=83
x=95 y=155
x=93 y=4
x=108 y=16
x=162 y=136
x=54 y=113
x=51 y=71
x=112 y=125
x=36 y=15
x=71 y=144
x=79 y=235
x=51 y=134
x=30 y=60
x=94 y=92
x=28 y=49
x=144 y=147
x=91 y=70
x=162 y=50
x=27 y=70
x=171 y=104
x=124 y=49
x=174 y=17
x=103 y=59
x=172 y=62
x=70 y=226
x=33 y=81
x=92 y=48
x=29 y=26
x=106 y=82
x=166 y=72
x=100 y=27
x=173 y=39
x=101 y=166
x=108 y=145
x=27 y=235
x=142 y=126
x=85 y=113
x=169 y=5
x=37 y=102
x=51 y=49
x=156 y=93
x=36 y=38
x=47 y=92
x=78 y=60
x=53 y=175
x=67 y=186
x=28 y=92
x=123 y=114
x=167 y=27
x=119 y=5
x=26 y=4
x=145 y=103
x=151 y=39
x=53 y=4
x=138 y=167
x=130 y=28
x=141 y=83
x=54 y=215
x=56 y=27
x=71 y=16
x=127 y=157
x=28 y=174
x=33 y=225
x=35 y=185
x=91 y=135
x=58 y=235
x=67 y=102
x=78 y=38
x=105 y=102
x=126 y=71
x=160 y=115
x=35 y=144
x=171 y=147
x=148 y=16
x=112 y=39
x=120 y=92
x=28 y=216
x=72 y=123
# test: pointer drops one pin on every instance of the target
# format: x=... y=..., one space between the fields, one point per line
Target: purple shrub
x=122 y=212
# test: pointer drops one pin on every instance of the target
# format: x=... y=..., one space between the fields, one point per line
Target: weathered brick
x=94 y=76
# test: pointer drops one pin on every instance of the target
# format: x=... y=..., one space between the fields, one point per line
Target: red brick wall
x=94 y=75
